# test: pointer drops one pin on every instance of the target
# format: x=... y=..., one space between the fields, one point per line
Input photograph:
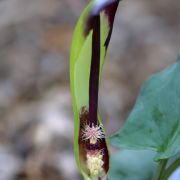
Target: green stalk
x=161 y=169
x=171 y=169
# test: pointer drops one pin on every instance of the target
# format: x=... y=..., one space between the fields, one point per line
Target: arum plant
x=90 y=42
x=153 y=124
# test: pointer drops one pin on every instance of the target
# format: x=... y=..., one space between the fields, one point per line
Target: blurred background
x=36 y=121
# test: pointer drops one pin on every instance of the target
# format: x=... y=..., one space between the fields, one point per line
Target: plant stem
x=171 y=169
x=161 y=168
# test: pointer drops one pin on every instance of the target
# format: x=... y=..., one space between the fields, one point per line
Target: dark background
x=36 y=122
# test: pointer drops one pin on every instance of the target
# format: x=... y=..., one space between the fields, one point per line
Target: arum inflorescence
x=93 y=148
x=89 y=46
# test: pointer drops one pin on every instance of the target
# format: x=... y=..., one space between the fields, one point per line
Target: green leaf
x=154 y=122
x=132 y=165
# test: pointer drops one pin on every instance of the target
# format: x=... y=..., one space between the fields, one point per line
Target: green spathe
x=80 y=61
x=154 y=122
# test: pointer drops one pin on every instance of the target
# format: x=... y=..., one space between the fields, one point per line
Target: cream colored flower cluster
x=95 y=163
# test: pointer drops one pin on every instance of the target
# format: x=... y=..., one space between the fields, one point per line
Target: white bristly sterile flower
x=93 y=133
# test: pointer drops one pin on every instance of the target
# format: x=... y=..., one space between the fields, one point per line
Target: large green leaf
x=154 y=122
x=132 y=165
